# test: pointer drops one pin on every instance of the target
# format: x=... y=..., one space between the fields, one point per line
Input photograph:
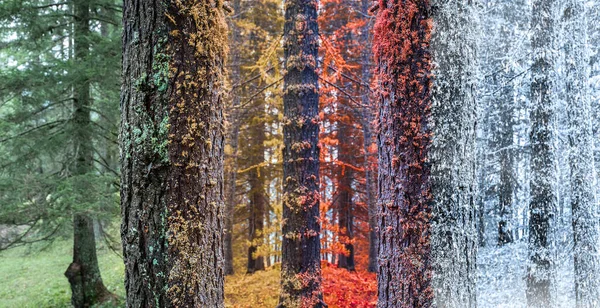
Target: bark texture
x=452 y=154
x=172 y=153
x=543 y=200
x=402 y=53
x=581 y=159
x=301 y=267
x=83 y=273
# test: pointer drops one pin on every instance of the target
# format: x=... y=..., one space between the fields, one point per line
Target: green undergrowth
x=34 y=276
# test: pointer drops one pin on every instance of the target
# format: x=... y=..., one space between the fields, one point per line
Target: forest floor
x=33 y=277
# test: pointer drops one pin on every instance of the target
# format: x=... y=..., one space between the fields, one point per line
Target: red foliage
x=344 y=289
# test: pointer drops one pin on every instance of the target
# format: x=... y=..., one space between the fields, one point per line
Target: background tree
x=583 y=200
x=58 y=103
x=172 y=140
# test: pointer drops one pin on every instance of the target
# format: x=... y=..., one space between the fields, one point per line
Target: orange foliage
x=344 y=289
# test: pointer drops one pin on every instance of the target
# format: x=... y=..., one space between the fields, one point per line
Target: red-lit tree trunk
x=301 y=267
x=172 y=162
x=344 y=198
x=401 y=46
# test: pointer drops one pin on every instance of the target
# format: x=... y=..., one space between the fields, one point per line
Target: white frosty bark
x=543 y=200
x=581 y=158
x=452 y=156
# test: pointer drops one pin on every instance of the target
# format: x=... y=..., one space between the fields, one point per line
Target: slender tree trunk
x=83 y=273
x=543 y=201
x=581 y=159
x=367 y=126
x=452 y=154
x=401 y=45
x=257 y=196
x=507 y=173
x=172 y=145
x=344 y=199
x=301 y=267
x=234 y=133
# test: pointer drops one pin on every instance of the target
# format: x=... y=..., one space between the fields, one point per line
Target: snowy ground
x=502 y=271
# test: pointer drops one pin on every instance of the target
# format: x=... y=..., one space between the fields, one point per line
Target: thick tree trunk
x=543 y=201
x=452 y=154
x=172 y=145
x=257 y=196
x=301 y=267
x=234 y=133
x=401 y=45
x=83 y=273
x=581 y=159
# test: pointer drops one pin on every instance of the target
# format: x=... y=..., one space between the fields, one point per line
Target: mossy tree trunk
x=83 y=273
x=172 y=153
x=301 y=267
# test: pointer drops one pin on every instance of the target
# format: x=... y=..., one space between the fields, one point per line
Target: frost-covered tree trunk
x=452 y=154
x=301 y=262
x=581 y=159
x=172 y=153
x=542 y=206
x=401 y=47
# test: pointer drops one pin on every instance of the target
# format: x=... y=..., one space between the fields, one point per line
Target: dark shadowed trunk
x=83 y=273
x=301 y=267
x=172 y=153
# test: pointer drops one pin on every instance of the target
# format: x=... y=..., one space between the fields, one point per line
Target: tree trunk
x=301 y=267
x=401 y=46
x=543 y=201
x=452 y=154
x=581 y=159
x=344 y=198
x=172 y=161
x=83 y=273
x=257 y=196
x=234 y=133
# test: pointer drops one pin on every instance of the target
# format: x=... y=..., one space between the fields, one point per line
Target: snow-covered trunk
x=581 y=159
x=543 y=201
x=452 y=154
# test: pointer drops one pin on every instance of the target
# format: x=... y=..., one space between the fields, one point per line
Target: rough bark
x=172 y=153
x=401 y=46
x=83 y=273
x=452 y=154
x=543 y=200
x=581 y=159
x=301 y=267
